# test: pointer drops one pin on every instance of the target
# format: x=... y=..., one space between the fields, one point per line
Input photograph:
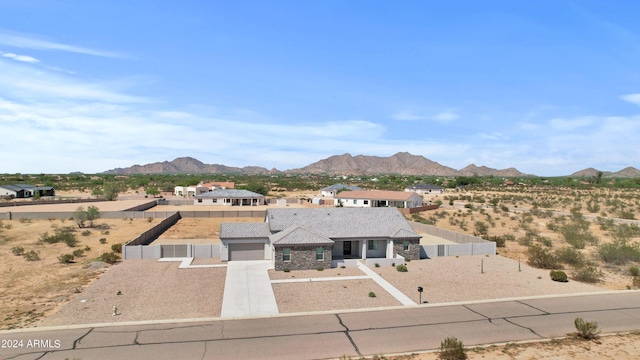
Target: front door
x=346 y=248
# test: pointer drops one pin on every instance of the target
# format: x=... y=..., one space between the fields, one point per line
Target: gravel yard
x=119 y=205
x=303 y=274
x=331 y=295
x=150 y=290
x=449 y=279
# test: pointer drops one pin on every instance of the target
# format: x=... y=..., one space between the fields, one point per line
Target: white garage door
x=254 y=251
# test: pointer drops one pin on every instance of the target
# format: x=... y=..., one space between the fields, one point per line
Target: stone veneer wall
x=414 y=248
x=304 y=258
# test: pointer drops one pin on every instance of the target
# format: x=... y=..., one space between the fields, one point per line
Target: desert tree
x=92 y=213
x=80 y=216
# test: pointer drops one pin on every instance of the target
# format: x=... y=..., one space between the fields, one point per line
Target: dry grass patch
x=33 y=289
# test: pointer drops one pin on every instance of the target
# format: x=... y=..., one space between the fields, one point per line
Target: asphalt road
x=331 y=335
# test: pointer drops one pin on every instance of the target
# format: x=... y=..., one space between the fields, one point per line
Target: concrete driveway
x=247 y=290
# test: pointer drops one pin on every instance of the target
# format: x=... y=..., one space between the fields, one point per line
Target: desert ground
x=36 y=290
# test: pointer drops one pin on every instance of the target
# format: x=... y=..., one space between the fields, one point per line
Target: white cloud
x=632 y=98
x=444 y=116
x=570 y=124
x=23 y=58
x=32 y=42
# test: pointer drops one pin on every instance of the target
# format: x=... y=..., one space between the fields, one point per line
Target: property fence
x=148 y=236
x=47 y=202
x=406 y=211
x=207 y=251
x=223 y=214
x=143 y=207
x=465 y=244
x=42 y=215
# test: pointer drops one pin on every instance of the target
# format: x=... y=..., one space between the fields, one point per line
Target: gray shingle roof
x=338 y=223
x=295 y=235
x=340 y=187
x=230 y=193
x=244 y=230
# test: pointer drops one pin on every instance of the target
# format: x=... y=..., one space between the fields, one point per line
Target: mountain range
x=402 y=163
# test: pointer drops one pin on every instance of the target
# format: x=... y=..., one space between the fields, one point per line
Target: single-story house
x=335 y=188
x=425 y=189
x=366 y=198
x=26 y=191
x=310 y=238
x=190 y=191
x=229 y=197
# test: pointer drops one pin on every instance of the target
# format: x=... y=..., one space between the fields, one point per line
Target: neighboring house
x=26 y=191
x=190 y=191
x=425 y=189
x=335 y=188
x=215 y=185
x=229 y=197
x=310 y=238
x=365 y=198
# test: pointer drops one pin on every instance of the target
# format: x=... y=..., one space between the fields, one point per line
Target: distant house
x=307 y=238
x=425 y=189
x=229 y=197
x=26 y=191
x=365 y=198
x=215 y=185
x=190 y=191
x=332 y=190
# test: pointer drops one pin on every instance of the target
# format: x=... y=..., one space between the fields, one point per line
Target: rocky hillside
x=628 y=172
x=402 y=163
x=187 y=165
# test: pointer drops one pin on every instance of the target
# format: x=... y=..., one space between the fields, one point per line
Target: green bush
x=109 y=258
x=634 y=271
x=32 y=255
x=372 y=294
x=65 y=259
x=588 y=274
x=17 y=250
x=86 y=233
x=559 y=276
x=452 y=349
x=78 y=252
x=619 y=252
x=64 y=234
x=499 y=240
x=377 y=265
x=542 y=258
x=402 y=268
x=586 y=329
x=103 y=240
x=116 y=248
x=570 y=256
x=320 y=268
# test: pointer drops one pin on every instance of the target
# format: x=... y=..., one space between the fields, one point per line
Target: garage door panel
x=246 y=251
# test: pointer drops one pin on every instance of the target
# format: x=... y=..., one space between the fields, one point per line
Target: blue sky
x=549 y=87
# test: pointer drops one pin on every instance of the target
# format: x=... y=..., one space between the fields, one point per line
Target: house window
x=366 y=202
x=355 y=202
x=200 y=200
x=406 y=246
x=372 y=245
x=286 y=255
x=320 y=254
x=215 y=201
x=227 y=200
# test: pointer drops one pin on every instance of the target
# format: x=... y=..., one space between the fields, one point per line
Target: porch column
x=364 y=249
x=389 y=252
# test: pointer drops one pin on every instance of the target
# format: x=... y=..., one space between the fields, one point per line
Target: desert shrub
x=287 y=270
x=619 y=252
x=636 y=282
x=544 y=240
x=32 y=255
x=78 y=252
x=634 y=271
x=103 y=240
x=504 y=208
x=588 y=274
x=86 y=233
x=372 y=294
x=320 y=268
x=604 y=223
x=586 y=329
x=499 y=240
x=542 y=258
x=17 y=250
x=377 y=265
x=65 y=259
x=116 y=248
x=109 y=258
x=452 y=349
x=402 y=268
x=25 y=221
x=149 y=219
x=87 y=248
x=481 y=229
x=65 y=234
x=558 y=275
x=627 y=214
x=570 y=256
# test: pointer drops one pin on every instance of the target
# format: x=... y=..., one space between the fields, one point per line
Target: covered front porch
x=362 y=249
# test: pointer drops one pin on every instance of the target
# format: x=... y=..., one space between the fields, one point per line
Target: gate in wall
x=170 y=251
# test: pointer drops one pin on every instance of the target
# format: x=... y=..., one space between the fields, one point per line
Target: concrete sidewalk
x=404 y=299
x=247 y=290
